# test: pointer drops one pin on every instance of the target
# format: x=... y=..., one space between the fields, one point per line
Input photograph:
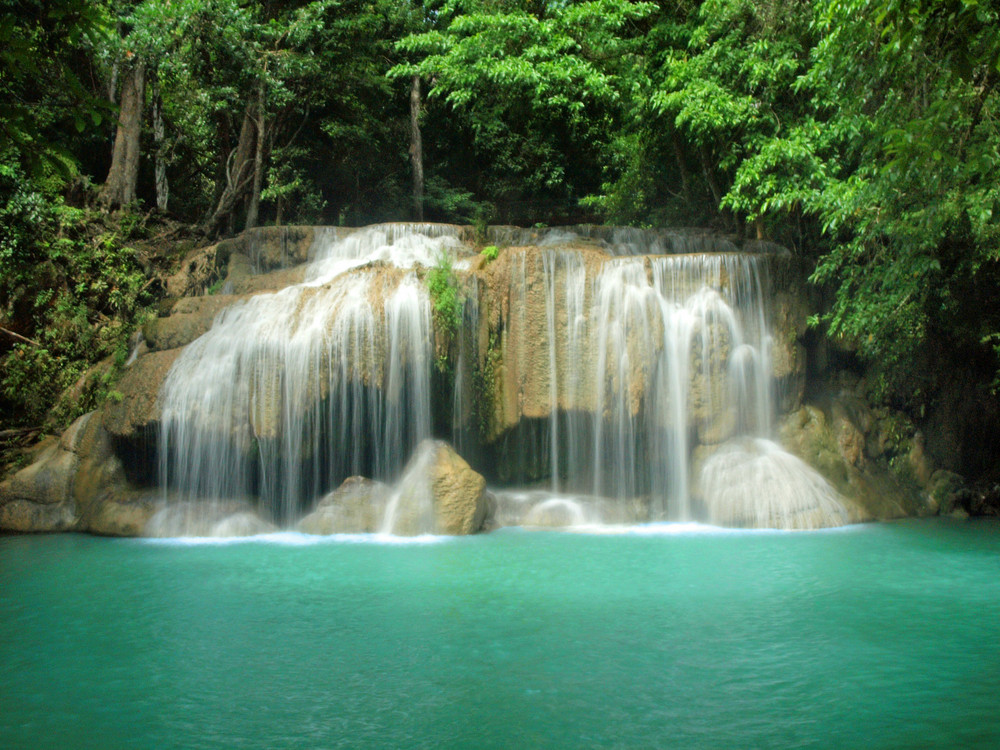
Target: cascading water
x=640 y=382
x=657 y=379
x=291 y=392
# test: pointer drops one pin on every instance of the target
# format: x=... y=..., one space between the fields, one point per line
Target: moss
x=484 y=380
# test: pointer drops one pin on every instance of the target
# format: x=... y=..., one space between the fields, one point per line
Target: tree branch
x=18 y=336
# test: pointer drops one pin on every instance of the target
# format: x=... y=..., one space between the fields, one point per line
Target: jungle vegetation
x=862 y=134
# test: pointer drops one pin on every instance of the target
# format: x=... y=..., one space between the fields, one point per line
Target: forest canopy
x=862 y=134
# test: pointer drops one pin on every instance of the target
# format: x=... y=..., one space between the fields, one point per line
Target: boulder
x=122 y=513
x=76 y=483
x=39 y=497
x=945 y=491
x=356 y=507
x=438 y=494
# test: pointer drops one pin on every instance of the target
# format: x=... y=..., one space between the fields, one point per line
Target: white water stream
x=657 y=378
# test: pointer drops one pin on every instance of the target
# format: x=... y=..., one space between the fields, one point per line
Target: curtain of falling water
x=291 y=392
x=646 y=359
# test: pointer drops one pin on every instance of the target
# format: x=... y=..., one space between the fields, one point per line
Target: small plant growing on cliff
x=490 y=252
x=445 y=299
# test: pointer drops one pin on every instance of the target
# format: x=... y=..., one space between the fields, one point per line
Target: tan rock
x=188 y=320
x=438 y=494
x=138 y=410
x=25 y=516
x=356 y=507
x=126 y=515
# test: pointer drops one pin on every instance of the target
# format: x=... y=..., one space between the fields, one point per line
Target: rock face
x=849 y=448
x=138 y=411
x=76 y=484
x=438 y=494
x=566 y=346
x=356 y=507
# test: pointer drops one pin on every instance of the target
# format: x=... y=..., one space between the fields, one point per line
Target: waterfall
x=656 y=371
x=627 y=371
x=289 y=393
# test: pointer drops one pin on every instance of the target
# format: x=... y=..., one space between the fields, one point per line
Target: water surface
x=873 y=636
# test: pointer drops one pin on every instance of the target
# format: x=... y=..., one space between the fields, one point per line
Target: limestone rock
x=39 y=497
x=356 y=507
x=870 y=486
x=68 y=485
x=945 y=490
x=25 y=516
x=47 y=481
x=124 y=514
x=138 y=410
x=189 y=319
x=438 y=494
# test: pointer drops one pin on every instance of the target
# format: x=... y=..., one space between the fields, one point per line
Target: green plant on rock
x=445 y=298
x=490 y=252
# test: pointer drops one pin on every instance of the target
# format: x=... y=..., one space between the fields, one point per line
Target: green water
x=873 y=636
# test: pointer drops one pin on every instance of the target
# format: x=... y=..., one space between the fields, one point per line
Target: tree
x=537 y=84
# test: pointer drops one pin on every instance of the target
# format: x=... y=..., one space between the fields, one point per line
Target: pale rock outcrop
x=438 y=494
x=834 y=448
x=138 y=410
x=356 y=507
x=76 y=484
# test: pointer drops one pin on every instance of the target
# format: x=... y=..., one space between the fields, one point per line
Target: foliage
x=535 y=86
x=69 y=281
x=490 y=252
x=43 y=98
x=445 y=298
x=861 y=133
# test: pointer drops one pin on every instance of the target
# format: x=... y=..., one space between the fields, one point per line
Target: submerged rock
x=438 y=494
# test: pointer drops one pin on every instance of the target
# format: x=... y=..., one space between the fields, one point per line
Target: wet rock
x=438 y=494
x=356 y=507
x=122 y=513
x=25 y=516
x=850 y=439
x=77 y=483
x=138 y=410
x=39 y=497
x=189 y=319
x=945 y=490
x=877 y=491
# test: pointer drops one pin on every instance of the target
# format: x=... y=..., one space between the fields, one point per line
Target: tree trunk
x=682 y=168
x=416 y=151
x=119 y=188
x=159 y=131
x=258 y=163
x=237 y=173
x=706 y=167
